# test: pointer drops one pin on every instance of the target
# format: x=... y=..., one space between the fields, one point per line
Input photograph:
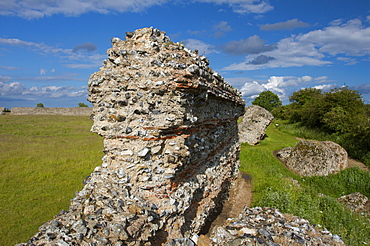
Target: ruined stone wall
x=170 y=132
x=78 y=111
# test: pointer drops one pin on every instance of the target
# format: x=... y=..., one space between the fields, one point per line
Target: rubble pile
x=268 y=226
x=169 y=124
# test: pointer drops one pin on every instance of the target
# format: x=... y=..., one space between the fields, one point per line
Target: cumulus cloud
x=287 y=25
x=251 y=45
x=89 y=47
x=350 y=38
x=283 y=86
x=202 y=47
x=13 y=88
x=19 y=89
x=31 y=9
x=327 y=87
x=55 y=91
x=314 y=48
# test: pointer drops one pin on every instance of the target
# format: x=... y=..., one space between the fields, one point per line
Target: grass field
x=274 y=186
x=44 y=159
x=43 y=162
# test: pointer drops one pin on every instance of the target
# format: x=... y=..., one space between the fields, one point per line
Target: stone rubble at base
x=268 y=226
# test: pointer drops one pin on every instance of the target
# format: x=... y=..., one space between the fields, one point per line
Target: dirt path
x=240 y=196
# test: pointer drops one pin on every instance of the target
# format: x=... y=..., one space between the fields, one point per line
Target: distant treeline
x=341 y=113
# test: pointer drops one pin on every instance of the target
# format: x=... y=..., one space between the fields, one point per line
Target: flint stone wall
x=2 y=110
x=78 y=111
x=253 y=124
x=170 y=132
x=314 y=158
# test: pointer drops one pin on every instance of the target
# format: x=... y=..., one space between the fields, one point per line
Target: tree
x=40 y=105
x=303 y=96
x=303 y=102
x=267 y=100
x=82 y=105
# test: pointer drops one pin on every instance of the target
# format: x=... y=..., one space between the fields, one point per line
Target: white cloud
x=31 y=9
x=313 y=48
x=43 y=71
x=280 y=85
x=326 y=87
x=244 y=6
x=351 y=38
x=84 y=59
x=203 y=48
x=4 y=78
x=55 y=92
x=252 y=88
x=290 y=24
x=251 y=45
x=348 y=60
x=18 y=89
x=223 y=26
x=13 y=88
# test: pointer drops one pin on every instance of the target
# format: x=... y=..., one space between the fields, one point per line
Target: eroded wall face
x=169 y=124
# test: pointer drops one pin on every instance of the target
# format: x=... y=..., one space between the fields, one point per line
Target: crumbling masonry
x=169 y=124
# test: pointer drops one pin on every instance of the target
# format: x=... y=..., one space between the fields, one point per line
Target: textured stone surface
x=311 y=158
x=78 y=111
x=268 y=226
x=2 y=110
x=169 y=124
x=354 y=201
x=253 y=124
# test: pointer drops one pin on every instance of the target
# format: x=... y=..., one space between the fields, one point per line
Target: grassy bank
x=42 y=163
x=312 y=198
x=45 y=158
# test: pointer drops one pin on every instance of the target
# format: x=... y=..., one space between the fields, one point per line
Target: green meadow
x=44 y=160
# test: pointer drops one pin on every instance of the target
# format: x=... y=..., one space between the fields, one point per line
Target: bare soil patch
x=240 y=195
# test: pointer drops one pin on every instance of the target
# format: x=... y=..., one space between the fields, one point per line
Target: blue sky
x=49 y=48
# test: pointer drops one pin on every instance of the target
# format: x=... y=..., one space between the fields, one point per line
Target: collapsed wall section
x=169 y=124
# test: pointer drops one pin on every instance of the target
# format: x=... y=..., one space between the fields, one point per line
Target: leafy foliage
x=40 y=105
x=267 y=100
x=82 y=105
x=341 y=113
